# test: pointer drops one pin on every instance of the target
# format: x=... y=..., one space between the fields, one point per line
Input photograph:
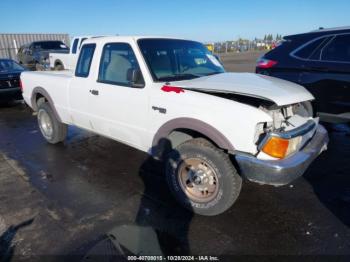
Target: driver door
x=119 y=107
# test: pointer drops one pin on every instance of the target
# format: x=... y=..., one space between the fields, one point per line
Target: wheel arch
x=179 y=130
x=58 y=62
x=39 y=92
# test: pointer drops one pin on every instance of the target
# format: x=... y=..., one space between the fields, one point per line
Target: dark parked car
x=320 y=61
x=10 y=88
x=36 y=54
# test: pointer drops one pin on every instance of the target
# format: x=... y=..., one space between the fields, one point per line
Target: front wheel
x=51 y=128
x=202 y=177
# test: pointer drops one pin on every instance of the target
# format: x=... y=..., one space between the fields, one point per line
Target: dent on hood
x=279 y=91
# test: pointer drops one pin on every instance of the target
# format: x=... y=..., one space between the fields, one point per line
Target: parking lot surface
x=62 y=199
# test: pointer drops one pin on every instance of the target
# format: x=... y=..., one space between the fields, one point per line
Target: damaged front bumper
x=284 y=171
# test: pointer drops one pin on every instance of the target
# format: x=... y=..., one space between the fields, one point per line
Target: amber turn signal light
x=276 y=147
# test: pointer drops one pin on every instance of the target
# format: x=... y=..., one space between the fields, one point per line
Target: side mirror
x=134 y=76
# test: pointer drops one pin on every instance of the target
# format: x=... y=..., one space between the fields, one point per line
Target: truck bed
x=55 y=83
x=56 y=73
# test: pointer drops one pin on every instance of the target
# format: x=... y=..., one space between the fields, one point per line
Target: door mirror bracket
x=134 y=76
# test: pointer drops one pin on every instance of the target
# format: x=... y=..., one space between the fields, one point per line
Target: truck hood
x=279 y=91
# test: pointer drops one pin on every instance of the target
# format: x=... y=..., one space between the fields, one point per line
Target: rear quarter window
x=75 y=45
x=84 y=61
x=309 y=49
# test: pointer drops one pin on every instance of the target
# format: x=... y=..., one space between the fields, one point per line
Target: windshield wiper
x=214 y=73
x=178 y=77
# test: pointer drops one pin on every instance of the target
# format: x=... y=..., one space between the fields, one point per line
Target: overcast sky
x=194 y=19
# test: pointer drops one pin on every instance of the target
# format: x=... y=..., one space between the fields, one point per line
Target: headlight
x=280 y=147
x=303 y=109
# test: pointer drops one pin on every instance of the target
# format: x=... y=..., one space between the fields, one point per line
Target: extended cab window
x=84 y=61
x=311 y=48
x=82 y=41
x=338 y=50
x=75 y=45
x=117 y=62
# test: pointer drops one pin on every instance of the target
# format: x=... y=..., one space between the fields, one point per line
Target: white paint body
x=125 y=114
x=68 y=60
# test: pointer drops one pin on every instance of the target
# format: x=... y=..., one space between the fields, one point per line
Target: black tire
x=228 y=182
x=59 y=130
x=58 y=67
x=39 y=67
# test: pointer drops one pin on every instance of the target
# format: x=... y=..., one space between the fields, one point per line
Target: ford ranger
x=173 y=99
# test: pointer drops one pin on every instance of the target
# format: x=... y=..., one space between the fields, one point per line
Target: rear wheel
x=59 y=67
x=39 y=67
x=202 y=177
x=51 y=128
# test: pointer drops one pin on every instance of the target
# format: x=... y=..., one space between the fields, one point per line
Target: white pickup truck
x=61 y=61
x=173 y=99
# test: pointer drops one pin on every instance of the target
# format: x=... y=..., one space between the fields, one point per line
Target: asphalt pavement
x=63 y=199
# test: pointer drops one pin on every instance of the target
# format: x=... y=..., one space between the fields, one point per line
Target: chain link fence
x=241 y=45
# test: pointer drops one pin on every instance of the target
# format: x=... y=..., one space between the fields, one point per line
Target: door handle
x=94 y=92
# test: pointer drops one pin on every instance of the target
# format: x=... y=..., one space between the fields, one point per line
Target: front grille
x=9 y=83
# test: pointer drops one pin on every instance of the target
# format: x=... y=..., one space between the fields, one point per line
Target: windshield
x=50 y=45
x=174 y=60
x=9 y=65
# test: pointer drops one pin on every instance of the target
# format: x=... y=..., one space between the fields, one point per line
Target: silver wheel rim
x=198 y=180
x=45 y=124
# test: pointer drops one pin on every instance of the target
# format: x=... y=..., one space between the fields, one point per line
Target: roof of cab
x=104 y=39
